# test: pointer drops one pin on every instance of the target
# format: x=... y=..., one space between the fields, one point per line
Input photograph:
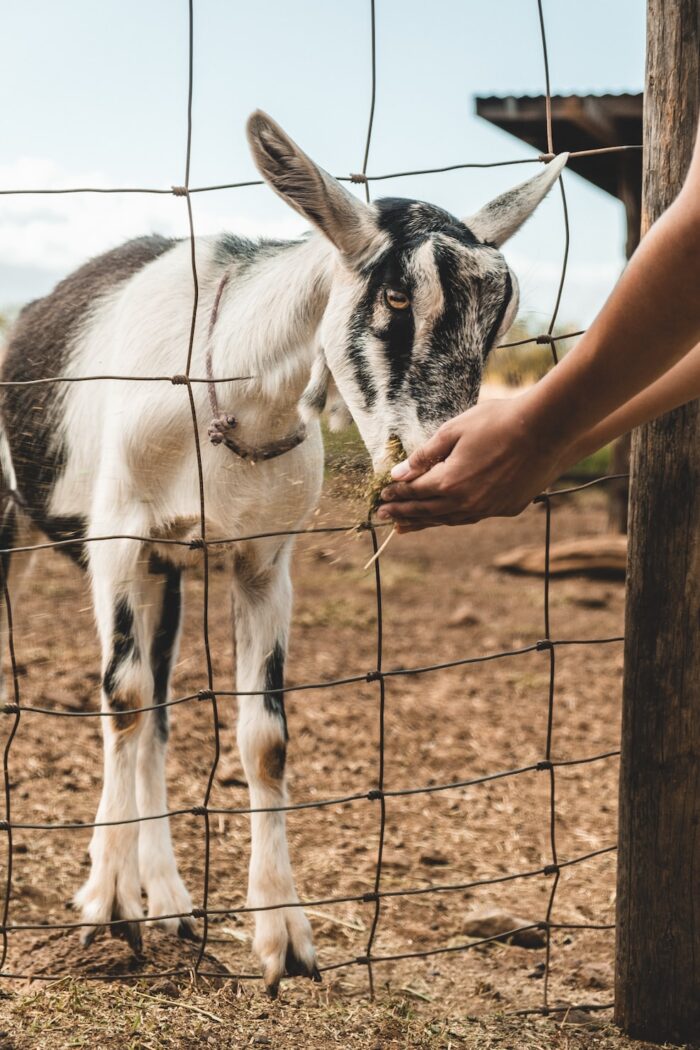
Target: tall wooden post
x=658 y=908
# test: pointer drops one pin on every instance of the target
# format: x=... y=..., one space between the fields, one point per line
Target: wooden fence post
x=658 y=904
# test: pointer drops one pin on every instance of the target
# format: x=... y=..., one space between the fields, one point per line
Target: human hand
x=487 y=462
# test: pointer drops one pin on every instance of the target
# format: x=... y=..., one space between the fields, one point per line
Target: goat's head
x=418 y=297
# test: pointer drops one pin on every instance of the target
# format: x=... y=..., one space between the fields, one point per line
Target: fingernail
x=400 y=470
x=386 y=495
x=383 y=513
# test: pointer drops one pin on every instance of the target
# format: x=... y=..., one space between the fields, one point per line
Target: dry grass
x=443 y=599
x=164 y=1017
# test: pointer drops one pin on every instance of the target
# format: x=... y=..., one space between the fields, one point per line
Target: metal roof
x=579 y=122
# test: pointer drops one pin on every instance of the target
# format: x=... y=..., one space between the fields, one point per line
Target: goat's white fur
x=131 y=469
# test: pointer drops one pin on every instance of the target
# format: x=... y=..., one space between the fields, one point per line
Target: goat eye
x=396 y=300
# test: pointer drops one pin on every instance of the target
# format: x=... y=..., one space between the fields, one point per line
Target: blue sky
x=97 y=94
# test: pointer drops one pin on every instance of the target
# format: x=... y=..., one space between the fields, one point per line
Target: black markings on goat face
x=425 y=315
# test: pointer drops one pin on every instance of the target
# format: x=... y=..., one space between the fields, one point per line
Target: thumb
x=437 y=448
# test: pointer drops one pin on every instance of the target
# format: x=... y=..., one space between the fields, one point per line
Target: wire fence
x=377 y=795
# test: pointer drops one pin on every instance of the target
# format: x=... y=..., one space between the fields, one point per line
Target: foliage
x=520 y=365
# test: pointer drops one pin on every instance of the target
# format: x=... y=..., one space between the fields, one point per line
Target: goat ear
x=310 y=190
x=322 y=395
x=500 y=218
x=315 y=396
x=339 y=415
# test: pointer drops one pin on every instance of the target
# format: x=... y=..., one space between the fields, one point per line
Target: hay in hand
x=381 y=549
x=395 y=453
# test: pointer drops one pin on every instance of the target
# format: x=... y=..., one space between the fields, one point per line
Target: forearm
x=651 y=320
x=495 y=457
x=678 y=386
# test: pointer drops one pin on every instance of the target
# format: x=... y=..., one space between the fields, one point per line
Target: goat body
x=396 y=305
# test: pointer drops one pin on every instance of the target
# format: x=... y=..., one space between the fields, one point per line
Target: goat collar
x=222 y=426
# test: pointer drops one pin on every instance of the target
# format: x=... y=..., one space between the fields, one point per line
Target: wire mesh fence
x=376 y=794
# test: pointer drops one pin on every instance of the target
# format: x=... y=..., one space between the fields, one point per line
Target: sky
x=95 y=94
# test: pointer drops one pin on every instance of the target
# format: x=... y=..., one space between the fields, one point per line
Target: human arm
x=494 y=458
x=676 y=387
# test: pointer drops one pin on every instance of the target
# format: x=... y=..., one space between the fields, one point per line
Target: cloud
x=57 y=233
x=45 y=237
x=586 y=287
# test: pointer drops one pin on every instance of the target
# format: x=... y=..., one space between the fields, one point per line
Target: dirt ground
x=443 y=600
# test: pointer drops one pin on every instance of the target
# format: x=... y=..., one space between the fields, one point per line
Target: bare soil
x=442 y=600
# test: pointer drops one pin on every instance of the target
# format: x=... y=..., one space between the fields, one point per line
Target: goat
x=387 y=310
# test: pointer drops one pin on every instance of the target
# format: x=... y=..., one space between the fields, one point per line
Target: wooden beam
x=658 y=905
x=588 y=114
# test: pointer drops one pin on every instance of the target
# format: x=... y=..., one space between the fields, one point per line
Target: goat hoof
x=272 y=990
x=283 y=945
x=87 y=936
x=113 y=898
x=129 y=932
x=170 y=906
x=297 y=967
x=187 y=932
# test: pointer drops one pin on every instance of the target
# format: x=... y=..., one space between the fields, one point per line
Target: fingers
x=437 y=448
x=401 y=529
x=426 y=514
x=413 y=511
x=425 y=486
x=449 y=520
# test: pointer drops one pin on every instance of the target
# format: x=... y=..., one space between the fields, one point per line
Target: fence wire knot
x=544 y=643
x=179 y=379
x=199 y=811
x=550 y=869
x=180 y=191
x=197 y=544
x=375 y=794
x=358 y=177
x=545 y=340
x=206 y=694
x=374 y=676
x=543 y=765
x=11 y=709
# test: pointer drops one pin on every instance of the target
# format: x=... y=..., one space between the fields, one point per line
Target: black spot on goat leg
x=272 y=758
x=122 y=701
x=274 y=680
x=123 y=643
x=165 y=638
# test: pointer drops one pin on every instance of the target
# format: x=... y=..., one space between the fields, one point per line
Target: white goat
x=393 y=307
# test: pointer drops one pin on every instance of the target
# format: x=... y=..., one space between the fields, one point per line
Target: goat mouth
x=394 y=453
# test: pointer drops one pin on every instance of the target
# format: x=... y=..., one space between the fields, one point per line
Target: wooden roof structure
x=582 y=122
